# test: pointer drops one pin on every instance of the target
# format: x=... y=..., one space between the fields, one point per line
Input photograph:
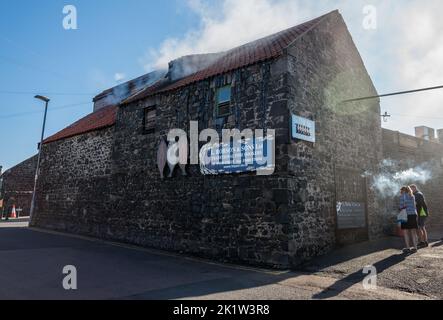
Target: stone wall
x=325 y=68
x=410 y=152
x=106 y=184
x=74 y=185
x=18 y=183
x=235 y=218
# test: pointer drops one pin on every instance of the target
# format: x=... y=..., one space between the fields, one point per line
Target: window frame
x=223 y=103
x=145 y=114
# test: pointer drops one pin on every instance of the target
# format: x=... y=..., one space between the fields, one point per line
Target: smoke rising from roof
x=388 y=182
x=123 y=91
x=228 y=24
x=188 y=65
x=118 y=77
x=404 y=52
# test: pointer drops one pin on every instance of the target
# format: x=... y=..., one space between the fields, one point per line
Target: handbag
x=423 y=213
x=402 y=217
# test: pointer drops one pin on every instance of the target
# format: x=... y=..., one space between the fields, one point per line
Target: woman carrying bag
x=409 y=219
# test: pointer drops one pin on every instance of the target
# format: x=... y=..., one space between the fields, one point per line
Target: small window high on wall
x=223 y=101
x=150 y=119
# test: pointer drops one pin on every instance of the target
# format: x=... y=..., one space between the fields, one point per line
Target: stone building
x=100 y=176
x=18 y=183
x=440 y=135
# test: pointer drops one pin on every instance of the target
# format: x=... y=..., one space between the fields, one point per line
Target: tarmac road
x=32 y=262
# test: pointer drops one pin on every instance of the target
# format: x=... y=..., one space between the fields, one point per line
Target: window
x=223 y=96
x=150 y=119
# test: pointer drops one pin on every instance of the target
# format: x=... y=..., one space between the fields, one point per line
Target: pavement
x=418 y=274
x=32 y=262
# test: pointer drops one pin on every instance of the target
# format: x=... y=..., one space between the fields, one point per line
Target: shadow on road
x=214 y=286
x=358 y=277
x=114 y=272
x=344 y=254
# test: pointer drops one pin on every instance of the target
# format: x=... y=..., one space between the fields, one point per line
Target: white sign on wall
x=351 y=215
x=303 y=129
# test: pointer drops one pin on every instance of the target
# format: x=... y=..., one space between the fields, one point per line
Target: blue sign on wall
x=245 y=156
x=303 y=129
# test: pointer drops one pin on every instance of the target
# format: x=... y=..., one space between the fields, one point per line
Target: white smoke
x=391 y=179
x=187 y=65
x=404 y=52
x=230 y=23
x=118 y=77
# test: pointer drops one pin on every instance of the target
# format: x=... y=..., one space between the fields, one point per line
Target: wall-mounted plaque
x=303 y=129
x=351 y=215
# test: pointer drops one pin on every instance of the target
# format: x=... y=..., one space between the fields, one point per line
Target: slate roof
x=100 y=119
x=254 y=52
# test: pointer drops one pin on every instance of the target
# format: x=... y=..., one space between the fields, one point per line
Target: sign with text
x=351 y=215
x=245 y=156
x=303 y=129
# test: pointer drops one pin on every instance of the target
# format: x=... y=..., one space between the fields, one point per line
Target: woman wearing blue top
x=407 y=202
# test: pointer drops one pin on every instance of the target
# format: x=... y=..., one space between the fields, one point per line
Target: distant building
x=425 y=133
x=1 y=188
x=18 y=184
x=440 y=135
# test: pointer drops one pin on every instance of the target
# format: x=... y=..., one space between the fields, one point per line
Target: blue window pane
x=224 y=95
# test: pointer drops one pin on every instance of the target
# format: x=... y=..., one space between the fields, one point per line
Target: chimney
x=425 y=133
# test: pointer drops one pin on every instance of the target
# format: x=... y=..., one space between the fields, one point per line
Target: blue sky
x=130 y=37
x=38 y=55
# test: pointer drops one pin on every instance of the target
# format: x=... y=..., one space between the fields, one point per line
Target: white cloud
x=416 y=61
x=98 y=80
x=404 y=52
x=119 y=77
x=232 y=24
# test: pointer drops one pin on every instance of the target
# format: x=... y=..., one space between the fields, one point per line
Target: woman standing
x=407 y=202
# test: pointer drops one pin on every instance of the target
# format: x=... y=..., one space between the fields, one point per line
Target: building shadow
x=248 y=281
x=351 y=252
x=358 y=277
x=167 y=277
x=163 y=275
x=213 y=287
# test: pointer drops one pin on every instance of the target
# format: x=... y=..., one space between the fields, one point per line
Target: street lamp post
x=46 y=100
